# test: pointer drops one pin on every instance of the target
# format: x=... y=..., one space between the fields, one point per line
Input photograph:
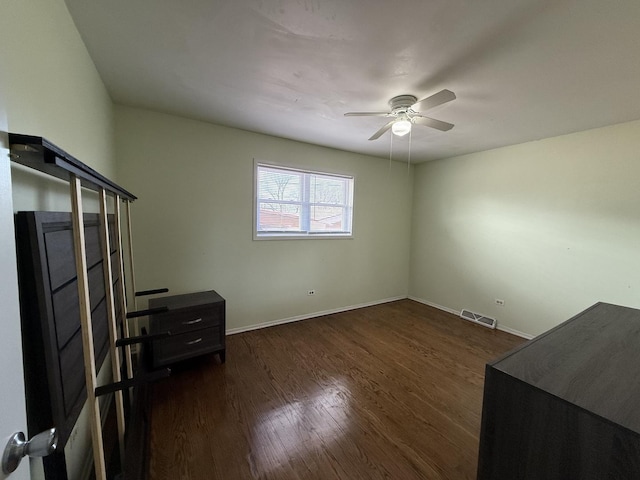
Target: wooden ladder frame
x=95 y=417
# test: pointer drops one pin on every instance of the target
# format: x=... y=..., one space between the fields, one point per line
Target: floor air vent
x=479 y=319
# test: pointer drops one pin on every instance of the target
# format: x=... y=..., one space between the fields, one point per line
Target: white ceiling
x=521 y=69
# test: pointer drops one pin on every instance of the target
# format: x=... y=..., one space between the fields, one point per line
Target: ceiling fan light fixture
x=401 y=127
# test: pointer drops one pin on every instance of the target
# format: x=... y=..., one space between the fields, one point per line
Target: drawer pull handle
x=193 y=342
x=191 y=322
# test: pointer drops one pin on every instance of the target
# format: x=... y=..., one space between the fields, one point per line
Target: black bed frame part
x=42 y=155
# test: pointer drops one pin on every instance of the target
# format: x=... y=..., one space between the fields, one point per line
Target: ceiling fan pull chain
x=409 y=156
x=390 y=152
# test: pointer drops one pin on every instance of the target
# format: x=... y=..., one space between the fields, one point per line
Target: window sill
x=285 y=236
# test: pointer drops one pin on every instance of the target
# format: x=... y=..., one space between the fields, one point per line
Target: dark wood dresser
x=197 y=325
x=566 y=405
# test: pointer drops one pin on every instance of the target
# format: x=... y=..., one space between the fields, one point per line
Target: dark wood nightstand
x=197 y=325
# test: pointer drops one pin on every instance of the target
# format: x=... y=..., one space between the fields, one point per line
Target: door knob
x=41 y=445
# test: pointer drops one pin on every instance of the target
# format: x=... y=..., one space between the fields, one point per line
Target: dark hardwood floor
x=386 y=392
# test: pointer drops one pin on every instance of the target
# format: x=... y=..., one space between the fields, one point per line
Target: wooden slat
x=111 y=319
x=87 y=331
x=121 y=286
x=132 y=281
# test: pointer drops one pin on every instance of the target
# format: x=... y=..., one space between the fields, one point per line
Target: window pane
x=278 y=217
x=279 y=185
x=327 y=219
x=327 y=190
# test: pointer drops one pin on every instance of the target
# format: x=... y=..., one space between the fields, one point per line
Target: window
x=302 y=204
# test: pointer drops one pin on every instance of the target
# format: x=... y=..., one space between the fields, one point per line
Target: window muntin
x=299 y=203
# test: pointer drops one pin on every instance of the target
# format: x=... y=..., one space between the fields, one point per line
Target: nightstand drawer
x=187 y=345
x=187 y=320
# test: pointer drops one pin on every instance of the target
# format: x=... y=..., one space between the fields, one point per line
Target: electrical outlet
x=499 y=302
x=311 y=292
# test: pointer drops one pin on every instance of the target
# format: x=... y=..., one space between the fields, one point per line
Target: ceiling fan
x=406 y=111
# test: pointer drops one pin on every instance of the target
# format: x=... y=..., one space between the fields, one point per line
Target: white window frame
x=304 y=203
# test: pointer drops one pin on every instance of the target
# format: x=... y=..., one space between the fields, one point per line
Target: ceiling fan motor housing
x=402 y=103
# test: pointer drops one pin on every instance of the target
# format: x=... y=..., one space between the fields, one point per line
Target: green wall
x=54 y=91
x=550 y=227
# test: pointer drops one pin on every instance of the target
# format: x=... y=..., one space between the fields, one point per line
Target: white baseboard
x=307 y=316
x=457 y=313
x=435 y=305
x=517 y=333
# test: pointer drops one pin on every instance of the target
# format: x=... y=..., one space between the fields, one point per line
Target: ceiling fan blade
x=432 y=122
x=379 y=133
x=443 y=96
x=367 y=114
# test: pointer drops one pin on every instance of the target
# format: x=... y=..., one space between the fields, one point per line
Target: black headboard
x=52 y=340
